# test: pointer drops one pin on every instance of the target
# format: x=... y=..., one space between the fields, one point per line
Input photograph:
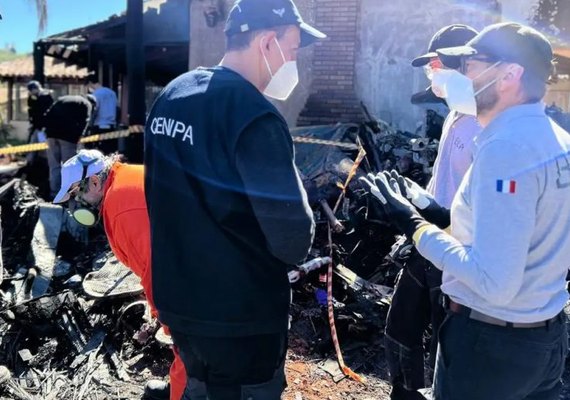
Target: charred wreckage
x=74 y=323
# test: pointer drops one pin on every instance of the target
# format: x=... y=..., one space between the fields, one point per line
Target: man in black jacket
x=228 y=213
x=65 y=122
x=39 y=101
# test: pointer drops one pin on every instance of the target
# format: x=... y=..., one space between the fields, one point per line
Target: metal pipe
x=335 y=223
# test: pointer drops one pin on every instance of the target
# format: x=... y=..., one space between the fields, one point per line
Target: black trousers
x=242 y=368
x=415 y=305
x=480 y=361
x=105 y=146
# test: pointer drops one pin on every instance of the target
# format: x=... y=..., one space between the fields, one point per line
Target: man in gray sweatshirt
x=505 y=259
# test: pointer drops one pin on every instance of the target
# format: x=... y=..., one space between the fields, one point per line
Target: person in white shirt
x=416 y=303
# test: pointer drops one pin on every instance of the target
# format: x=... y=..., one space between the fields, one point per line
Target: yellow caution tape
x=28 y=148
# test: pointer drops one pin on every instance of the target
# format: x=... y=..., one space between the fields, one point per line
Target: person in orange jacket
x=103 y=187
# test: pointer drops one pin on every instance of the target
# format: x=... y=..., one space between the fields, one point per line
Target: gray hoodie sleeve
x=503 y=224
x=265 y=161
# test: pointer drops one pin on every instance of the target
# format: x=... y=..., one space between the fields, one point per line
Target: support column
x=10 y=99
x=39 y=62
x=136 y=77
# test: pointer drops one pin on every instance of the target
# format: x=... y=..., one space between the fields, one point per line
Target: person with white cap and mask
x=100 y=187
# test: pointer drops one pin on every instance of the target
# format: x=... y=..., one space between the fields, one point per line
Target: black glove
x=401 y=213
x=423 y=201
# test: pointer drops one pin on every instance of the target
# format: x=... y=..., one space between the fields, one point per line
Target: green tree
x=553 y=17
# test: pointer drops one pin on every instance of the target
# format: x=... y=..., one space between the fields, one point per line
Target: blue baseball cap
x=254 y=15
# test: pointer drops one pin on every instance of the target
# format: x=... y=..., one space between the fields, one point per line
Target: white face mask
x=284 y=80
x=457 y=89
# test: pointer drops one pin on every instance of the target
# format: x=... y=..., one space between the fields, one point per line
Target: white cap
x=72 y=171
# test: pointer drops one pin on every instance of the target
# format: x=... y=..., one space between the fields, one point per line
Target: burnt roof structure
x=102 y=47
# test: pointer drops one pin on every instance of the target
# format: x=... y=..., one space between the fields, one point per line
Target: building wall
x=518 y=10
x=367 y=55
x=206 y=43
x=559 y=94
x=333 y=98
x=207 y=49
x=174 y=11
x=392 y=34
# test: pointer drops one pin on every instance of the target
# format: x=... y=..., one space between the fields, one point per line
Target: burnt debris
x=74 y=323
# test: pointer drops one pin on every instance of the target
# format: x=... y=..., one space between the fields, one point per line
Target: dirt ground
x=307 y=382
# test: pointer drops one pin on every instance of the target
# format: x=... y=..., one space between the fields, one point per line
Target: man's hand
x=401 y=213
x=423 y=201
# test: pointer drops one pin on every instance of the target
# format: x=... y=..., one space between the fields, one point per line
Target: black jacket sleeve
x=45 y=102
x=265 y=161
x=30 y=109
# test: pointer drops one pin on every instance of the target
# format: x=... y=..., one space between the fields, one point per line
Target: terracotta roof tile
x=24 y=68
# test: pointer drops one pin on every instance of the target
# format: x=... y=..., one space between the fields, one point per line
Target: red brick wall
x=332 y=98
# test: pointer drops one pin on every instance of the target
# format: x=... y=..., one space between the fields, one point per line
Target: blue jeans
x=480 y=361
x=58 y=152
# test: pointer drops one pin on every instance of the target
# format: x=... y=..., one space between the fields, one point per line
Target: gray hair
x=109 y=161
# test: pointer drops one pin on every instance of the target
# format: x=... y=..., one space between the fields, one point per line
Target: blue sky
x=19 y=21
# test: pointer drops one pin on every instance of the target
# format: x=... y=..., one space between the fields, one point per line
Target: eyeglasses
x=74 y=190
x=480 y=58
x=82 y=184
x=433 y=65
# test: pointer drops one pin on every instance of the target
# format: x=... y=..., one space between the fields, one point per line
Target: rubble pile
x=361 y=241
x=56 y=341
x=365 y=264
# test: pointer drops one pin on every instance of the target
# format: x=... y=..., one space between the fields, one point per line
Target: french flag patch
x=506 y=186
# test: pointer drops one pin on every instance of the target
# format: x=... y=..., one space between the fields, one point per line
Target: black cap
x=448 y=36
x=426 y=96
x=508 y=42
x=254 y=15
x=34 y=85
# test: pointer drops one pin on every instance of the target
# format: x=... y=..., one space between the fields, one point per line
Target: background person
x=65 y=122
